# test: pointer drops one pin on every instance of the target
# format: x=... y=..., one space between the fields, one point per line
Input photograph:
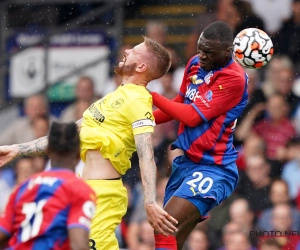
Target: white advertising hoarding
x=27 y=68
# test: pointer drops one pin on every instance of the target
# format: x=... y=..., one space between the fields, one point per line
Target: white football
x=252 y=48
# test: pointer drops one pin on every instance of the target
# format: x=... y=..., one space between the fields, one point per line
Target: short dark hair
x=63 y=138
x=219 y=31
x=162 y=58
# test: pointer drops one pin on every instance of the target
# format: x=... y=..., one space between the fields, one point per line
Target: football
x=252 y=48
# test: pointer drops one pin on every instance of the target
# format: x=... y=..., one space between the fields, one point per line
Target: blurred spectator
x=282 y=218
x=256 y=96
x=276 y=129
x=240 y=16
x=229 y=229
x=287 y=40
x=279 y=78
x=146 y=235
x=241 y=214
x=237 y=14
x=284 y=86
x=218 y=220
x=115 y=81
x=219 y=13
x=238 y=241
x=297 y=117
x=270 y=244
x=272 y=70
x=170 y=156
x=163 y=138
x=255 y=184
x=176 y=69
x=253 y=145
x=291 y=170
x=278 y=195
x=197 y=240
x=22 y=129
x=40 y=126
x=168 y=87
x=272 y=13
x=84 y=94
x=39 y=163
x=157 y=31
x=24 y=169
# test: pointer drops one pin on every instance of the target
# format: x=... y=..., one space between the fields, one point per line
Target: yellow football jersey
x=110 y=124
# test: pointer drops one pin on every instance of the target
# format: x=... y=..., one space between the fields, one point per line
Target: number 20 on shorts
x=200 y=182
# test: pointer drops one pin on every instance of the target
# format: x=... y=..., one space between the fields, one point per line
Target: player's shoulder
x=193 y=62
x=233 y=72
x=136 y=93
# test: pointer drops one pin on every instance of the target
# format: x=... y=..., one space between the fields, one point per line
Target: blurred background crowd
x=267 y=134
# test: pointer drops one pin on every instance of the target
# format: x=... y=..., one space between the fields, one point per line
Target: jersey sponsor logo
x=98 y=117
x=117 y=103
x=142 y=123
x=149 y=115
x=194 y=94
x=196 y=81
x=208 y=77
x=208 y=95
x=47 y=180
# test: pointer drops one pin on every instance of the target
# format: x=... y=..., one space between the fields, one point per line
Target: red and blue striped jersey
x=219 y=97
x=42 y=209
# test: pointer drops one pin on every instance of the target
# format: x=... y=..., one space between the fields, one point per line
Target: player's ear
x=141 y=67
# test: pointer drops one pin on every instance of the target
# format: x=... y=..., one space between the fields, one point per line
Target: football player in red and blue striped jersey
x=52 y=209
x=212 y=96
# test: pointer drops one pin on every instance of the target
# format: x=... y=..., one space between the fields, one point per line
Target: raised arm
x=159 y=219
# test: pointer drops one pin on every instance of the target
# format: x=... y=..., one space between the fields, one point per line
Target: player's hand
x=7 y=154
x=160 y=220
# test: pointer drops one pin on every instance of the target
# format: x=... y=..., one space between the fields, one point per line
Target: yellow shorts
x=111 y=206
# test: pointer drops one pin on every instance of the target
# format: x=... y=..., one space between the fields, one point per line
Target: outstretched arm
x=32 y=148
x=161 y=117
x=181 y=112
x=159 y=219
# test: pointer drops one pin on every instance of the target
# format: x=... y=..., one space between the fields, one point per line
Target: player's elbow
x=192 y=122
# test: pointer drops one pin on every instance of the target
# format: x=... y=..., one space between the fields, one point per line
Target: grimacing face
x=132 y=58
x=212 y=54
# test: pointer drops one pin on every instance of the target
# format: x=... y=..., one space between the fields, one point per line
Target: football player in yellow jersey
x=110 y=131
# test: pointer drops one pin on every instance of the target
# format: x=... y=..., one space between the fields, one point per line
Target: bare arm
x=158 y=218
x=38 y=146
x=147 y=164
